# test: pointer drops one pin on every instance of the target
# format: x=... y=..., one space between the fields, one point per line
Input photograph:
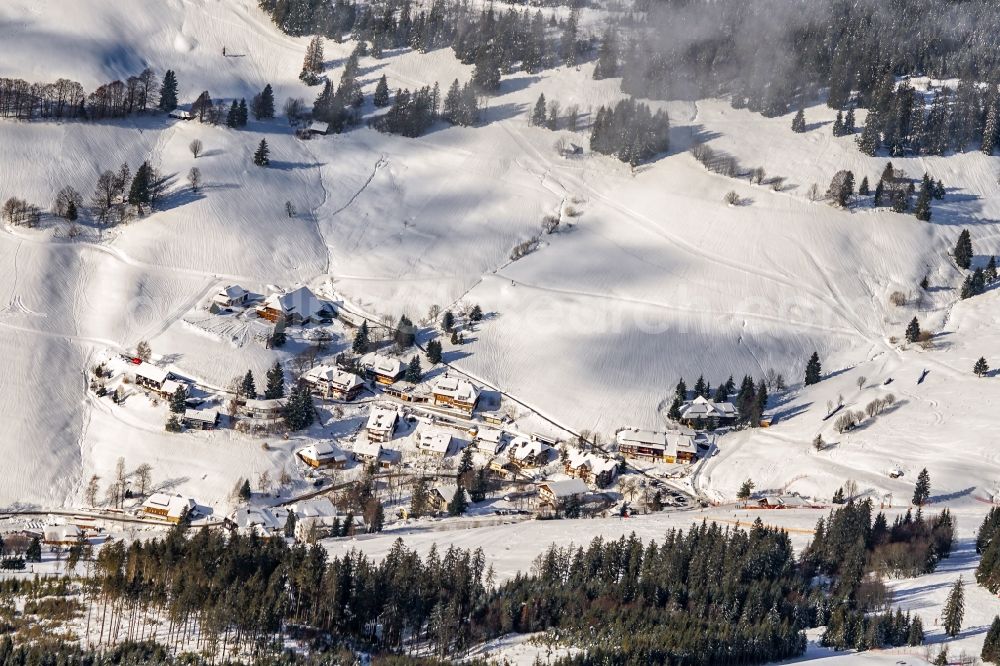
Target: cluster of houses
x=673 y=446
x=314 y=518
x=702 y=413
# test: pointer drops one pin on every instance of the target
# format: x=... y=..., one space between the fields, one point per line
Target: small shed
x=318 y=127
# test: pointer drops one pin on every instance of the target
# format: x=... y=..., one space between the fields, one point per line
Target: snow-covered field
x=651 y=278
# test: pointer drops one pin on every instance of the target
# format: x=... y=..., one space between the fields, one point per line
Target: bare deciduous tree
x=194 y=179
x=195 y=147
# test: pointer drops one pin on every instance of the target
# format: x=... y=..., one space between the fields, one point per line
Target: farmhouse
x=318 y=127
x=681 y=447
x=267 y=410
x=231 y=295
x=489 y=441
x=322 y=454
x=554 y=492
x=331 y=382
x=592 y=469
x=381 y=423
x=674 y=446
x=434 y=442
x=181 y=114
x=296 y=307
x=441 y=496
x=149 y=376
x=701 y=411
x=384 y=369
x=201 y=419
x=526 y=452
x=504 y=469
x=61 y=535
x=318 y=517
x=173 y=508
x=455 y=392
x=264 y=522
x=372 y=452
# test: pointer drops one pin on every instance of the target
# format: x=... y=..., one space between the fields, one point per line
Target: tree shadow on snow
x=947 y=497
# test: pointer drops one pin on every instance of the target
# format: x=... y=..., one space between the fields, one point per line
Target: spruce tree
x=447 y=321
x=233 y=117
x=71 y=214
x=990 y=274
x=245 y=493
x=745 y=491
x=913 y=331
x=538 y=115
x=863 y=188
x=849 y=122
x=991 y=644
x=814 y=371
x=434 y=352
x=838 y=124
x=248 y=387
x=870 y=140
x=879 y=193
x=458 y=503
x=922 y=489
x=915 y=636
x=413 y=372
x=361 y=339
x=260 y=157
x=168 y=92
x=476 y=313
x=178 y=400
x=990 y=130
x=243 y=115
x=963 y=250
x=173 y=423
x=275 y=382
x=799 y=122
x=139 y=192
x=419 y=498
x=981 y=367
x=263 y=104
x=381 y=96
x=922 y=211
x=954 y=609
x=405 y=332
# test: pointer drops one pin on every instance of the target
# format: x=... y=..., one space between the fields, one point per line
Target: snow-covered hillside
x=653 y=276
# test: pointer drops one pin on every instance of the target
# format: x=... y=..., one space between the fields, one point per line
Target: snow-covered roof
x=260 y=520
x=382 y=419
x=322 y=451
x=61 y=533
x=680 y=441
x=567 y=488
x=703 y=408
x=317 y=507
x=448 y=491
x=151 y=372
x=318 y=126
x=170 y=386
x=367 y=449
x=524 y=447
x=174 y=505
x=594 y=463
x=382 y=365
x=232 y=292
x=456 y=388
x=206 y=415
x=339 y=379
x=489 y=435
x=436 y=441
x=635 y=436
x=300 y=301
x=181 y=113
x=265 y=405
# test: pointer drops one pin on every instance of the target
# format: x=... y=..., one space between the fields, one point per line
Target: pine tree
x=538 y=115
x=405 y=332
x=300 y=412
x=799 y=122
x=275 y=382
x=990 y=130
x=870 y=140
x=913 y=330
x=838 y=124
x=922 y=489
x=991 y=644
x=361 y=339
x=915 y=636
x=248 y=388
x=465 y=463
x=290 y=525
x=963 y=250
x=879 y=193
x=990 y=274
x=139 y=192
x=33 y=553
x=981 y=367
x=745 y=490
x=71 y=213
x=245 y=493
x=849 y=123
x=458 y=503
x=243 y=115
x=381 y=96
x=419 y=498
x=759 y=405
x=434 y=352
x=954 y=609
x=476 y=313
x=263 y=104
x=413 y=372
x=178 y=400
x=680 y=392
x=863 y=188
x=233 y=117
x=260 y=157
x=173 y=424
x=922 y=211
x=168 y=92
x=814 y=370
x=447 y=321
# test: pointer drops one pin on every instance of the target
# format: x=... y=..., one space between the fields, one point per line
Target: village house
x=181 y=114
x=442 y=496
x=434 y=442
x=674 y=446
x=384 y=369
x=455 y=392
x=557 y=492
x=61 y=535
x=264 y=522
x=172 y=508
x=318 y=127
x=296 y=307
x=201 y=419
x=368 y=452
x=328 y=381
x=701 y=412
x=781 y=502
x=263 y=410
x=153 y=378
x=317 y=517
x=592 y=469
x=681 y=447
x=381 y=423
x=322 y=454
x=504 y=469
x=489 y=441
x=230 y=296
x=526 y=452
